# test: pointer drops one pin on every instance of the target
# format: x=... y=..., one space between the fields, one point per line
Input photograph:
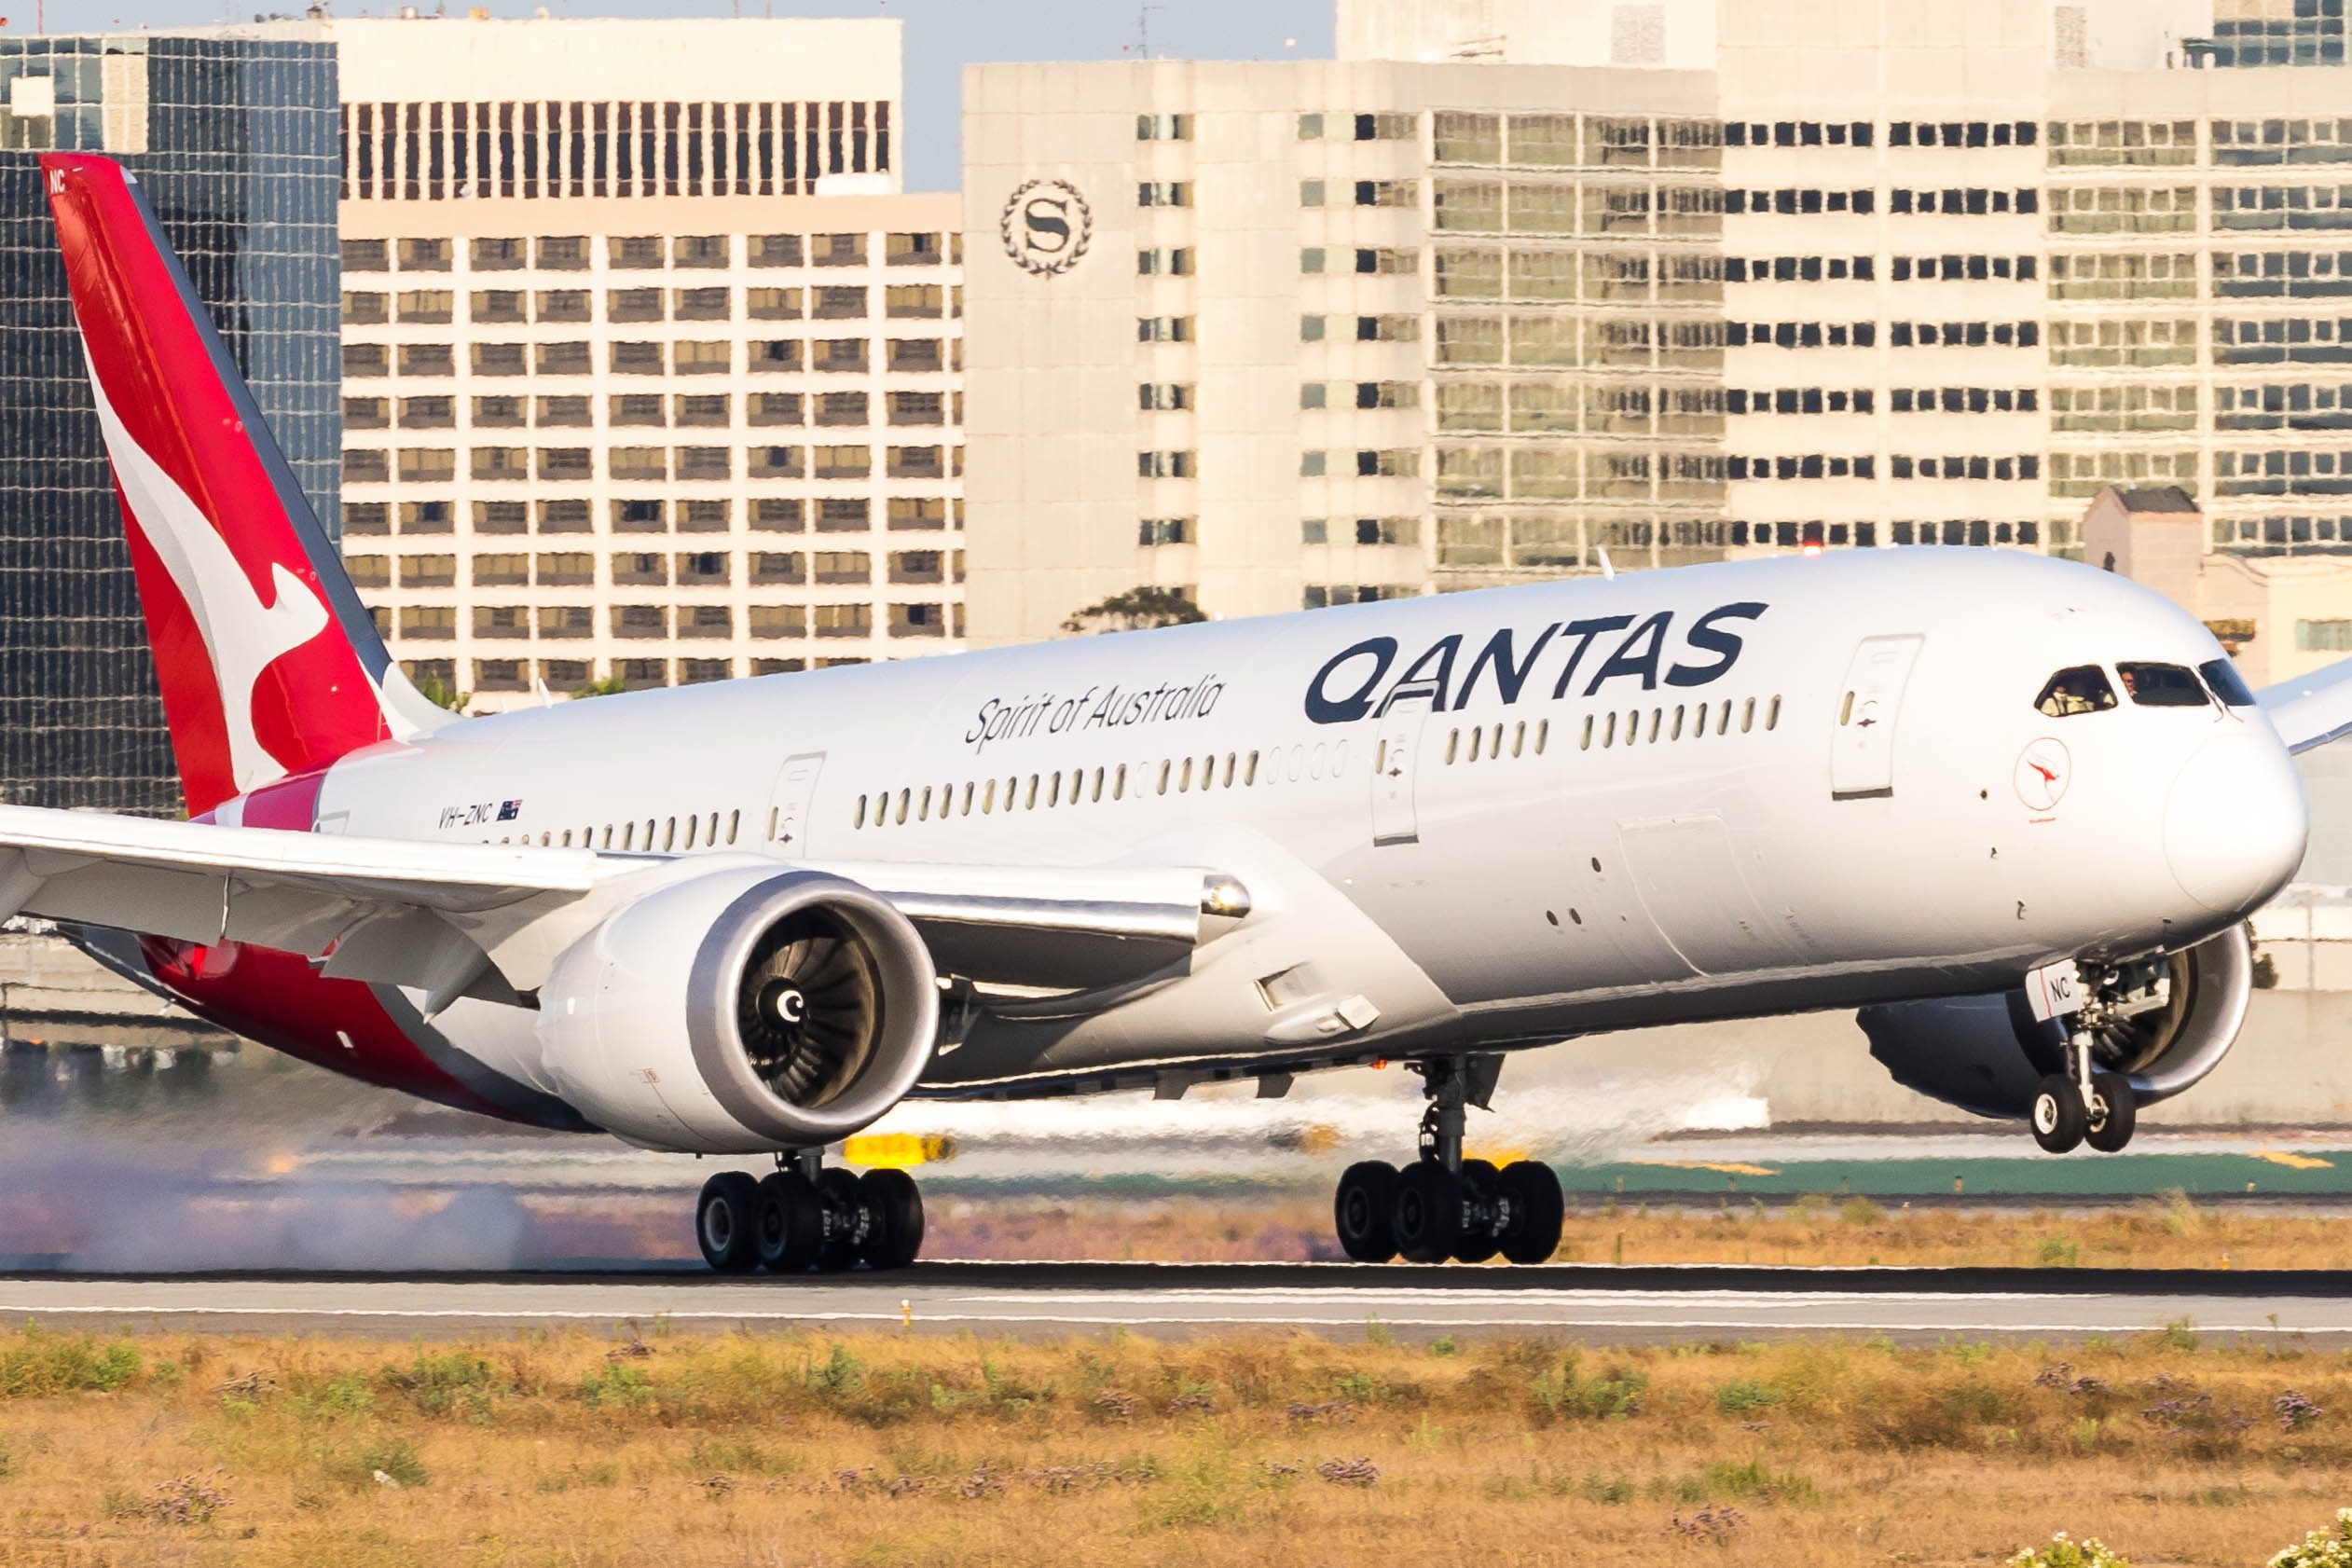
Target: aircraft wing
x=488 y=919
x=2312 y=709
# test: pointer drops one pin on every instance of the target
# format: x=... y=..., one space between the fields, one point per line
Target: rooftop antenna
x=1143 y=30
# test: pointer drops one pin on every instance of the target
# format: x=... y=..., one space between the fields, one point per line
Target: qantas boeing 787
x=2014 y=809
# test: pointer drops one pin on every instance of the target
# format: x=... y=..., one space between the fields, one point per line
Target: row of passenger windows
x=1639 y=727
x=653 y=835
x=1040 y=791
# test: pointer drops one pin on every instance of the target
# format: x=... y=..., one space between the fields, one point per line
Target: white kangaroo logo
x=242 y=634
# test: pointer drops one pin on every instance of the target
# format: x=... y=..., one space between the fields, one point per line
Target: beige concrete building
x=651 y=377
x=1515 y=285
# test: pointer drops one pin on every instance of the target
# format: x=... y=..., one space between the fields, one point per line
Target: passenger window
x=692 y=823
x=2083 y=689
x=1543 y=732
x=2229 y=686
x=1587 y=745
x=735 y=820
x=1454 y=744
x=669 y=833
x=710 y=830
x=1518 y=738
x=1249 y=773
x=2153 y=685
x=906 y=798
x=859 y=822
x=1477 y=735
x=1163 y=776
x=1747 y=716
x=1119 y=783
x=1609 y=738
x=1030 y=801
x=629 y=835
x=1772 y=715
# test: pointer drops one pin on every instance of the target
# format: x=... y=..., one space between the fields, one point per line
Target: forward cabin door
x=1862 y=754
x=789 y=806
x=1396 y=758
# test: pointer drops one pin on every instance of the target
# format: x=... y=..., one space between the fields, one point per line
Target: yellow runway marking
x=2295 y=1161
x=1733 y=1167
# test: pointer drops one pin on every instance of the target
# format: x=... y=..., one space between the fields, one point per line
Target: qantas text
x=1369 y=678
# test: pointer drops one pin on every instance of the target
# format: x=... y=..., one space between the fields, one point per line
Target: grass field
x=2170 y=1231
x=885 y=1450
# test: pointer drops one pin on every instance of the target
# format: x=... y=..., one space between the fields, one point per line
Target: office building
x=651 y=376
x=1509 y=287
x=232 y=135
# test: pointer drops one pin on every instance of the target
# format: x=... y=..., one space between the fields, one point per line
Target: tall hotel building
x=652 y=372
x=1513 y=284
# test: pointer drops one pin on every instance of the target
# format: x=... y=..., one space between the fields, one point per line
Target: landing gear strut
x=805 y=1214
x=1443 y=1207
x=2083 y=1105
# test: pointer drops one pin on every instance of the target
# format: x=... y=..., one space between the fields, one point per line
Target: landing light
x=1224 y=895
x=1810 y=547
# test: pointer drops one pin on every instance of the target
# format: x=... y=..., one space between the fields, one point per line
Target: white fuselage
x=1813 y=783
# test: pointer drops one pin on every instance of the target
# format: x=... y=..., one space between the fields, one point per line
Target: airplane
x=2013 y=809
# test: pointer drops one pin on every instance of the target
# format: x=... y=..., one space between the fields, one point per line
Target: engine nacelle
x=741 y=1010
x=1986 y=1053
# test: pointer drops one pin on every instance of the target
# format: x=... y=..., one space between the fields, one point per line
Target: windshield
x=2083 y=689
x=2153 y=685
x=2227 y=684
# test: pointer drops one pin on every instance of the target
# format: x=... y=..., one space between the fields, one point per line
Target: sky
x=943 y=37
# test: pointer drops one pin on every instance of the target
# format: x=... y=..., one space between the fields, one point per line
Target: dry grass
x=886 y=1449
x=2159 y=1232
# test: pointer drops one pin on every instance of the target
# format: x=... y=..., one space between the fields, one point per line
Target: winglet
x=269 y=665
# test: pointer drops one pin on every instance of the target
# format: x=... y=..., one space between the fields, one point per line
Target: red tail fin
x=269 y=665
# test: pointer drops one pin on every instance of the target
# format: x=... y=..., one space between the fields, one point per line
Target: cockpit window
x=2227 y=684
x=2081 y=690
x=2163 y=685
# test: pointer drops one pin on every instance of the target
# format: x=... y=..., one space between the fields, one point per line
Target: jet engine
x=2164 y=1023
x=741 y=1010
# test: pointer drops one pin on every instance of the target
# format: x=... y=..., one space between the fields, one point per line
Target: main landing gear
x=1442 y=1205
x=806 y=1214
x=2081 y=1106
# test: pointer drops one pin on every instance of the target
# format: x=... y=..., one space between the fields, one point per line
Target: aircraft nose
x=2236 y=822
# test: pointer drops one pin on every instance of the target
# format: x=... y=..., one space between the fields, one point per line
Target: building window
x=1165 y=193
x=1152 y=532
x=1163 y=127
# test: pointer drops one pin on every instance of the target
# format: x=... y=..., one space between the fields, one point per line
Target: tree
x=602 y=686
x=442 y=695
x=1136 y=610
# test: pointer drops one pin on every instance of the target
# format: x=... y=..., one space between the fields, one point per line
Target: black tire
x=844 y=1212
x=1483 y=1185
x=724 y=1223
x=1427 y=1213
x=1536 y=1210
x=2058 y=1118
x=2115 y=1111
x=1363 y=1211
x=894 y=1218
x=791 y=1223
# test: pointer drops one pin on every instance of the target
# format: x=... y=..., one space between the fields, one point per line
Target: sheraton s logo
x=1371 y=677
x=1046 y=227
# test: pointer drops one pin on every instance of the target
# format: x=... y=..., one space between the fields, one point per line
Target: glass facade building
x=236 y=142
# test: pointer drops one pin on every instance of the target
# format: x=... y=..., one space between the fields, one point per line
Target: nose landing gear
x=805 y=1214
x=2083 y=1106
x=1443 y=1207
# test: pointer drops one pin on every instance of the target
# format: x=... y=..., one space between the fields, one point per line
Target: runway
x=1592 y=1303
